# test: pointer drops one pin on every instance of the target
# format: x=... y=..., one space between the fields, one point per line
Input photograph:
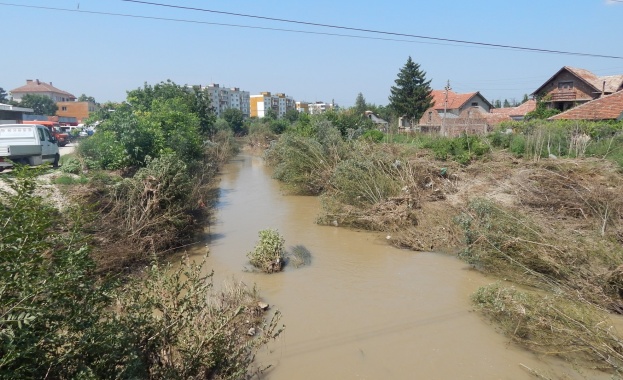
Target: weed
x=268 y=254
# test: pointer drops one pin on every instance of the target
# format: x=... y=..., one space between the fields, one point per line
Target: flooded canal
x=362 y=309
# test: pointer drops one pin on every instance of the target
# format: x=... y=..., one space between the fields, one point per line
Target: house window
x=474 y=104
x=565 y=86
x=430 y=117
x=63 y=108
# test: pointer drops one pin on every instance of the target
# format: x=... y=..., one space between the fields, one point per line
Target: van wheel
x=56 y=160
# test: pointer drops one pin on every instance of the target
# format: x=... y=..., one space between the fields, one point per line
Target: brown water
x=362 y=309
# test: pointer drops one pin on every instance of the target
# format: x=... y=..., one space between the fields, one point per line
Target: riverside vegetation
x=539 y=208
x=73 y=303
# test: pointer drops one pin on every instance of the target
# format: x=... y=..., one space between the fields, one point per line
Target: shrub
x=70 y=180
x=58 y=321
x=301 y=163
x=373 y=135
x=72 y=165
x=269 y=252
x=50 y=306
x=105 y=150
x=365 y=180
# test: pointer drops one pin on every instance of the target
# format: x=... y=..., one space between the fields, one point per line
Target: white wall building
x=319 y=107
x=224 y=98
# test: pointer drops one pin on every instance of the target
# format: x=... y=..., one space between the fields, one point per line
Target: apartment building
x=320 y=107
x=224 y=98
x=280 y=103
x=302 y=107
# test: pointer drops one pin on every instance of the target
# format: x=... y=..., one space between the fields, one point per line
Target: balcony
x=564 y=96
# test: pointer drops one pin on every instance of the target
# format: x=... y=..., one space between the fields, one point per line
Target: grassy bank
x=535 y=204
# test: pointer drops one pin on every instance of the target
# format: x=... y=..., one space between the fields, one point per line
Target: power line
x=375 y=31
x=225 y=24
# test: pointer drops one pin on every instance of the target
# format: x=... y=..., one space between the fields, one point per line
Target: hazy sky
x=105 y=55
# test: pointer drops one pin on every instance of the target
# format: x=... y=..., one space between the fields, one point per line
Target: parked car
x=28 y=144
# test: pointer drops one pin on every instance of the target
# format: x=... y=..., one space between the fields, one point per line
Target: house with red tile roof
x=608 y=107
x=456 y=113
x=37 y=87
x=570 y=87
x=514 y=113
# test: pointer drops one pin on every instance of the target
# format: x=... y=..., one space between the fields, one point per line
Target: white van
x=28 y=144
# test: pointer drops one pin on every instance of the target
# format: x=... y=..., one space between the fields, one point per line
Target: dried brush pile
x=554 y=325
x=147 y=213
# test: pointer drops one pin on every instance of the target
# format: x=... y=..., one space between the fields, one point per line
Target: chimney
x=50 y=83
x=38 y=82
x=603 y=89
x=28 y=81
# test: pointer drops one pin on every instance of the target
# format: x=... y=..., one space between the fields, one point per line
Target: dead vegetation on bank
x=550 y=225
x=137 y=214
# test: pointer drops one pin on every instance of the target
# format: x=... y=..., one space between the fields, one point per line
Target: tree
x=497 y=103
x=525 y=98
x=411 y=96
x=360 y=104
x=292 y=115
x=41 y=104
x=3 y=96
x=270 y=114
x=196 y=98
x=235 y=119
x=84 y=98
x=506 y=103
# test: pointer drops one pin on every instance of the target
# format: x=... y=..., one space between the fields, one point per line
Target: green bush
x=58 y=321
x=105 y=150
x=70 y=180
x=269 y=252
x=373 y=135
x=51 y=308
x=72 y=166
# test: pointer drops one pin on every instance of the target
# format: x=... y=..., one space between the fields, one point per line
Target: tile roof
x=520 y=110
x=455 y=100
x=35 y=86
x=609 y=107
x=613 y=83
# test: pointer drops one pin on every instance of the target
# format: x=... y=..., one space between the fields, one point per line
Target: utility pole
x=445 y=108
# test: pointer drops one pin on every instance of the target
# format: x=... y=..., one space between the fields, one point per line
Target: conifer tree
x=411 y=96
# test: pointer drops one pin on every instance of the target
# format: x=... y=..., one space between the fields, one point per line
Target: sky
x=86 y=49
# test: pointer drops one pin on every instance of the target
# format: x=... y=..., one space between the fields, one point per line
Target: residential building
x=280 y=103
x=320 y=107
x=302 y=107
x=570 y=87
x=11 y=114
x=452 y=114
x=515 y=113
x=223 y=98
x=607 y=107
x=78 y=110
x=36 y=87
x=381 y=124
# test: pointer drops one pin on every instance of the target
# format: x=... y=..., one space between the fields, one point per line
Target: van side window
x=41 y=135
x=47 y=134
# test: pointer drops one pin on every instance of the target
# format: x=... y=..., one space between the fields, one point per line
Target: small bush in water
x=269 y=252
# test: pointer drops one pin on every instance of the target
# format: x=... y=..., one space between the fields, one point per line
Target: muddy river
x=362 y=309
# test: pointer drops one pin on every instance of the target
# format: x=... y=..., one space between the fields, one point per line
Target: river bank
x=548 y=225
x=362 y=308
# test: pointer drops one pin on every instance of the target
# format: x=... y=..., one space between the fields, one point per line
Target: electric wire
x=374 y=31
x=224 y=24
